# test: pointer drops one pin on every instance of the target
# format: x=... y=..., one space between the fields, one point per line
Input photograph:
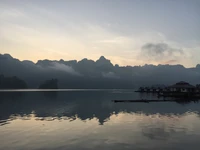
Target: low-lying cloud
x=62 y=67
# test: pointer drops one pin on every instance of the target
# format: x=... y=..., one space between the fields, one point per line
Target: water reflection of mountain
x=83 y=104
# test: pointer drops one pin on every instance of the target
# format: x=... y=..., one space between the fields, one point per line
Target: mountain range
x=101 y=73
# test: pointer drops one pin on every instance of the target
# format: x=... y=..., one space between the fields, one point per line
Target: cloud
x=161 y=52
x=171 y=61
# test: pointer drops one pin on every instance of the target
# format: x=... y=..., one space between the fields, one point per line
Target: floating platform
x=150 y=101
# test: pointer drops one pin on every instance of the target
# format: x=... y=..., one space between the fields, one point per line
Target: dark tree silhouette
x=12 y=83
x=49 y=84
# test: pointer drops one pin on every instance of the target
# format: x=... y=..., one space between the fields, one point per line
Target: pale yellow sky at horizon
x=34 y=31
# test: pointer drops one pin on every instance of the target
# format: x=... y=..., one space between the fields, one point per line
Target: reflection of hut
x=182 y=87
x=197 y=88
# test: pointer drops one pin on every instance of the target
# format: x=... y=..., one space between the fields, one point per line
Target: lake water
x=88 y=119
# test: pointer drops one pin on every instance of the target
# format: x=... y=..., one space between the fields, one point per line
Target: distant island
x=12 y=83
x=17 y=83
x=49 y=84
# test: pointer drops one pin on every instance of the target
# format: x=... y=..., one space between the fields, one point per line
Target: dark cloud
x=160 y=51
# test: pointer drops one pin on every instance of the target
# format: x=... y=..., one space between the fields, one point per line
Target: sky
x=128 y=32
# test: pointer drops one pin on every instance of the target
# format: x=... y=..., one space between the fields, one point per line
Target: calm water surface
x=88 y=119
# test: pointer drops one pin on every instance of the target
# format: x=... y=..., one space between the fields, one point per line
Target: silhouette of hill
x=12 y=83
x=95 y=74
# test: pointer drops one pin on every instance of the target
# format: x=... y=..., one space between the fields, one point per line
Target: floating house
x=181 y=87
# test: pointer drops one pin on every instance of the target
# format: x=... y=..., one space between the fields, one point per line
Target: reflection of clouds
x=126 y=130
x=156 y=126
x=157 y=132
x=4 y=122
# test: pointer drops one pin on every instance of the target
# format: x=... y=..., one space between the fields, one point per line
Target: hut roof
x=182 y=84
